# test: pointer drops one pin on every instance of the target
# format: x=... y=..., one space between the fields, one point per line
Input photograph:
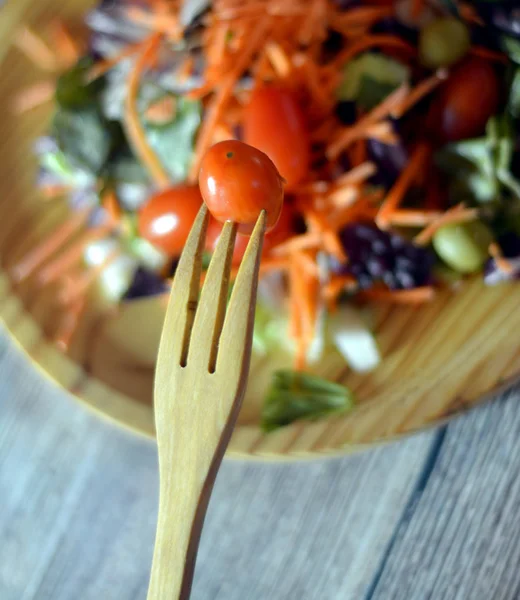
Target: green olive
x=443 y=42
x=463 y=247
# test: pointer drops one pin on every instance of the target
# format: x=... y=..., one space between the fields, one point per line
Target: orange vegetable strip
x=337 y=284
x=132 y=122
x=33 y=96
x=103 y=66
x=52 y=242
x=54 y=190
x=364 y=14
x=357 y=174
x=343 y=197
x=63 y=336
x=162 y=110
x=36 y=50
x=457 y=214
x=278 y=58
x=413 y=218
x=417 y=295
x=75 y=288
x=417 y=8
x=331 y=242
x=223 y=94
x=397 y=193
x=314 y=14
x=368 y=42
x=160 y=23
x=67 y=49
x=377 y=114
x=111 y=205
x=72 y=255
x=383 y=132
x=488 y=54
x=186 y=68
x=295 y=314
x=298 y=242
x=419 y=92
x=502 y=263
x=307 y=263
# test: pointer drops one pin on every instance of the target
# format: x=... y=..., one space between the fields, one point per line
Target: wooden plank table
x=431 y=517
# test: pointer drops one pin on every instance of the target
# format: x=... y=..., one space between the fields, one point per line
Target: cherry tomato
x=166 y=219
x=466 y=101
x=275 y=124
x=281 y=232
x=237 y=182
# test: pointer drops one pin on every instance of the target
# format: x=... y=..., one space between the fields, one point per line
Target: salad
x=393 y=123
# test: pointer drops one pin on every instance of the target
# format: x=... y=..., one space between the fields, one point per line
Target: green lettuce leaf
x=174 y=141
x=295 y=396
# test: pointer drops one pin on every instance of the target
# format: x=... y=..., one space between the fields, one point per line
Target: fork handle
x=183 y=501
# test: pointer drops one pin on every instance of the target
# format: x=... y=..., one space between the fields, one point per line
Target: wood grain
x=439 y=359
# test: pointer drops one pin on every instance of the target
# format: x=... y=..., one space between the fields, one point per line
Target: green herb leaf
x=294 y=396
x=174 y=141
x=84 y=137
x=72 y=88
x=511 y=47
x=370 y=78
x=514 y=95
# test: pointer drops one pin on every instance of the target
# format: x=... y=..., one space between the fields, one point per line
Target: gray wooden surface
x=434 y=516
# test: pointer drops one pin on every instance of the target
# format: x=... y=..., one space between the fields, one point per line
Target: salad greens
x=294 y=396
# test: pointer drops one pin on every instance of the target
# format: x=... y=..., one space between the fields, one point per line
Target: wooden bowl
x=439 y=359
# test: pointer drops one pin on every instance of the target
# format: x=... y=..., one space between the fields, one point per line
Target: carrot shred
x=298 y=242
x=103 y=66
x=487 y=54
x=64 y=334
x=502 y=263
x=358 y=129
x=419 y=92
x=32 y=97
x=50 y=245
x=414 y=296
x=72 y=255
x=131 y=120
x=67 y=50
x=337 y=284
x=111 y=204
x=36 y=50
x=164 y=23
x=223 y=94
x=278 y=58
x=397 y=193
x=457 y=214
x=161 y=111
x=413 y=218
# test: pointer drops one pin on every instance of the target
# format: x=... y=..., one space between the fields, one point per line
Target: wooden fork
x=201 y=376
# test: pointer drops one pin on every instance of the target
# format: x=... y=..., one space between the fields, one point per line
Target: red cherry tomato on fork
x=213 y=236
x=166 y=219
x=237 y=182
x=274 y=123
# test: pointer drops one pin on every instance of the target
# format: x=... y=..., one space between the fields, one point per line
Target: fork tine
x=235 y=340
x=184 y=294
x=212 y=303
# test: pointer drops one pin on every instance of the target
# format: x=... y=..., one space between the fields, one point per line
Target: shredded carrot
x=103 y=66
x=111 y=204
x=132 y=122
x=397 y=193
x=417 y=295
x=34 y=96
x=165 y=23
x=278 y=58
x=50 y=191
x=333 y=289
x=36 y=50
x=298 y=242
x=356 y=130
x=457 y=214
x=67 y=50
x=219 y=101
x=488 y=54
x=502 y=263
x=419 y=92
x=64 y=334
x=161 y=111
x=59 y=266
x=413 y=218
x=417 y=8
x=331 y=243
x=50 y=245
